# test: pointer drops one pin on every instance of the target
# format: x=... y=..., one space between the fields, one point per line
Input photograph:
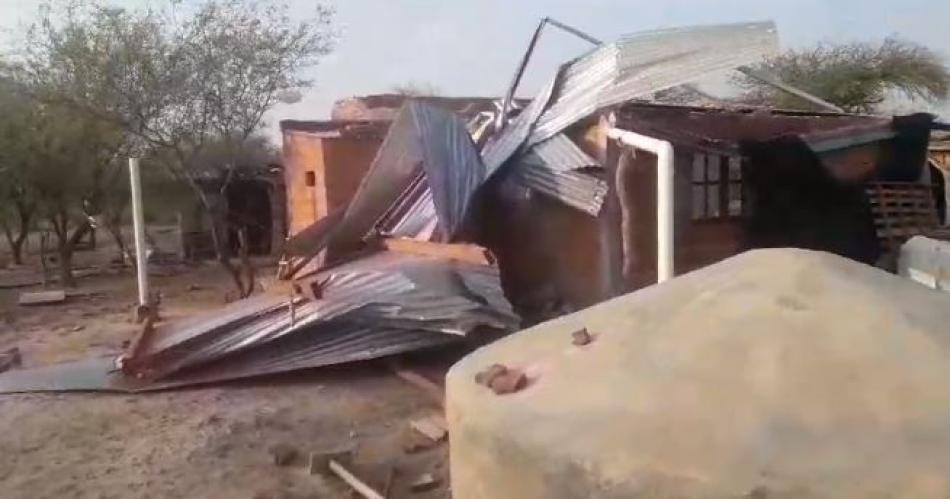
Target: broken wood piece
x=388 y=483
x=511 y=381
x=42 y=297
x=355 y=483
x=486 y=376
x=435 y=392
x=320 y=460
x=425 y=482
x=470 y=253
x=434 y=427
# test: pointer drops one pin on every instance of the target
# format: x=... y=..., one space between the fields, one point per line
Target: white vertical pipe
x=664 y=194
x=138 y=225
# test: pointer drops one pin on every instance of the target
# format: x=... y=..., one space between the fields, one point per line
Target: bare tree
x=177 y=82
x=857 y=77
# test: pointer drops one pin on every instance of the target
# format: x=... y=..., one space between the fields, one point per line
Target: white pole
x=138 y=224
x=664 y=195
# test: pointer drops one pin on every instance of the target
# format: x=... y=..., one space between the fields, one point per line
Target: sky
x=471 y=47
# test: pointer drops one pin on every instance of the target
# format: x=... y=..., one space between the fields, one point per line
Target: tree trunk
x=66 y=245
x=15 y=250
x=217 y=212
x=115 y=230
x=16 y=247
x=66 y=278
x=16 y=242
x=247 y=267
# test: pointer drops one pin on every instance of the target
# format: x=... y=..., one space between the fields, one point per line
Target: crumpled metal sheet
x=559 y=154
x=413 y=214
x=559 y=169
x=452 y=165
x=423 y=139
x=327 y=345
x=634 y=66
x=504 y=145
x=382 y=292
x=582 y=191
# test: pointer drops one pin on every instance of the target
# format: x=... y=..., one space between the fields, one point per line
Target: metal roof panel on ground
x=380 y=292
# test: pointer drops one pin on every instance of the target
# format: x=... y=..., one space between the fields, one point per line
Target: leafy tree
x=176 y=81
x=74 y=164
x=17 y=203
x=857 y=77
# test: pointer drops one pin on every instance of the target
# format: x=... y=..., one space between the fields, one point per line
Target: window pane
x=699 y=202
x=712 y=200
x=699 y=162
x=735 y=168
x=712 y=167
x=735 y=199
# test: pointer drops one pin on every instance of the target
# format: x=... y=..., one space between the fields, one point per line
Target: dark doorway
x=249 y=207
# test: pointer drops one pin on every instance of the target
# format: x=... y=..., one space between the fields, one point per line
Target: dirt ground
x=210 y=442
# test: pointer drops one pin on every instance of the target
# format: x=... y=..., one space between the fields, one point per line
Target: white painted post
x=664 y=195
x=138 y=224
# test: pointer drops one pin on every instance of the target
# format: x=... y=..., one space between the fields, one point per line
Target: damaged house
x=448 y=228
x=578 y=230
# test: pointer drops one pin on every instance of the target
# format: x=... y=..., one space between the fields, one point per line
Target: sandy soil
x=212 y=442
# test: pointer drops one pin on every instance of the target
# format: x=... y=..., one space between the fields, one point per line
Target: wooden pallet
x=902 y=210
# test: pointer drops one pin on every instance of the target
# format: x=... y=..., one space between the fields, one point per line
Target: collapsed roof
x=367 y=301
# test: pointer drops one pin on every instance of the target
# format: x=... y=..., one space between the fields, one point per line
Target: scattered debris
x=283 y=454
x=318 y=461
x=425 y=482
x=355 y=483
x=434 y=427
x=413 y=442
x=436 y=392
x=488 y=375
x=501 y=379
x=581 y=337
x=510 y=381
x=10 y=359
x=42 y=297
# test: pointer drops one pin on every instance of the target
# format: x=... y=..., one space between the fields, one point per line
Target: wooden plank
x=434 y=427
x=470 y=253
x=355 y=483
x=432 y=389
x=42 y=297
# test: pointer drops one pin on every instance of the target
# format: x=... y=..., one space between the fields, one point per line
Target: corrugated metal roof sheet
x=553 y=168
x=635 y=66
x=560 y=154
x=578 y=190
x=423 y=139
x=375 y=295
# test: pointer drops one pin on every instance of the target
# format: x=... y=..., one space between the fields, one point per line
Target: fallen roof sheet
x=634 y=66
x=423 y=138
x=420 y=186
x=436 y=300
